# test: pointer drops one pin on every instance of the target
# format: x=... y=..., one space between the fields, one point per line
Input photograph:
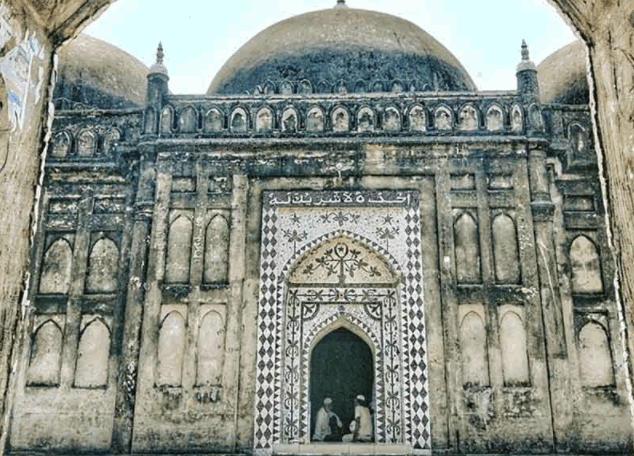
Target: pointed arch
x=467 y=249
x=93 y=353
x=514 y=350
x=505 y=251
x=179 y=245
x=585 y=265
x=473 y=346
x=341 y=87
x=61 y=145
x=443 y=118
x=495 y=118
x=315 y=119
x=264 y=121
x=468 y=118
x=417 y=119
x=517 y=118
x=214 y=121
x=595 y=356
x=171 y=349
x=56 y=268
x=340 y=119
x=210 y=349
x=103 y=267
x=86 y=143
x=216 y=268
x=365 y=119
x=305 y=87
x=167 y=120
x=110 y=140
x=324 y=86
x=269 y=88
x=360 y=86
x=290 y=120
x=287 y=88
x=150 y=121
x=239 y=120
x=391 y=119
x=46 y=355
x=188 y=120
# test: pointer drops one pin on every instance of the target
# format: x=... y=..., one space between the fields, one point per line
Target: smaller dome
x=562 y=76
x=96 y=74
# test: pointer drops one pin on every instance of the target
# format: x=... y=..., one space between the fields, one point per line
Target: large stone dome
x=324 y=51
x=96 y=74
x=562 y=76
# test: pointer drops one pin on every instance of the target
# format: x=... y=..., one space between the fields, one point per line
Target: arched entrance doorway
x=341 y=367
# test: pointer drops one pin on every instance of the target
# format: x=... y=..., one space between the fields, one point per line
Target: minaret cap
x=526 y=63
x=158 y=67
x=341 y=4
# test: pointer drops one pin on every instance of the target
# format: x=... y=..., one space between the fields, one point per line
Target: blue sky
x=199 y=36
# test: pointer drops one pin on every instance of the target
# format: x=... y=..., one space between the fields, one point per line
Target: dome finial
x=341 y=4
x=525 y=55
x=159 y=53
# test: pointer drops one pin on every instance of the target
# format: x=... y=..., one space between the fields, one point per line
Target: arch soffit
x=304 y=253
x=346 y=322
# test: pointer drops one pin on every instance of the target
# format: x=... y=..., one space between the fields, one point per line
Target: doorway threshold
x=339 y=448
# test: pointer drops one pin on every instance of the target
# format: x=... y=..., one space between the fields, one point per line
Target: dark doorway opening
x=341 y=367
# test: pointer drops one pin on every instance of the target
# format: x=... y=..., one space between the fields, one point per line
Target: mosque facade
x=343 y=214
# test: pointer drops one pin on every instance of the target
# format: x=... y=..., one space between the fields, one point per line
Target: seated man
x=361 y=427
x=323 y=424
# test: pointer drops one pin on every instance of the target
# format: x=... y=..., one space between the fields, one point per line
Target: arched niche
x=167 y=120
x=264 y=120
x=341 y=87
x=110 y=140
x=397 y=87
x=269 y=88
x=505 y=251
x=341 y=367
x=535 y=117
x=86 y=143
x=239 y=121
x=365 y=119
x=93 y=352
x=214 y=121
x=495 y=118
x=324 y=86
x=517 y=119
x=179 y=245
x=467 y=249
x=391 y=119
x=286 y=88
x=595 y=356
x=305 y=87
x=473 y=347
x=578 y=140
x=103 y=267
x=340 y=120
x=188 y=120
x=443 y=119
x=56 y=268
x=150 y=121
x=514 y=352
x=417 y=119
x=315 y=120
x=61 y=144
x=360 y=86
x=468 y=119
x=290 y=120
x=585 y=266
x=216 y=268
x=171 y=348
x=46 y=355
x=210 y=349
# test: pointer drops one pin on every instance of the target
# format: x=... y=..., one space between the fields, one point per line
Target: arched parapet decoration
x=443 y=118
x=585 y=266
x=166 y=125
x=360 y=86
x=264 y=120
x=417 y=118
x=324 y=86
x=341 y=87
x=340 y=119
x=535 y=117
x=290 y=120
x=214 y=120
x=391 y=119
x=595 y=355
x=269 y=88
x=188 y=120
x=86 y=143
x=93 y=355
x=46 y=355
x=56 y=267
x=287 y=88
x=377 y=86
x=62 y=143
x=517 y=118
x=150 y=121
x=103 y=266
x=110 y=140
x=468 y=118
x=366 y=119
x=315 y=120
x=305 y=87
x=578 y=139
x=495 y=118
x=397 y=86
x=239 y=120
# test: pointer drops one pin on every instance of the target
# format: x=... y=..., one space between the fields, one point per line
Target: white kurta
x=322 y=424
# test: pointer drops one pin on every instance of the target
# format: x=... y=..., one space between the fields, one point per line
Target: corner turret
x=526 y=72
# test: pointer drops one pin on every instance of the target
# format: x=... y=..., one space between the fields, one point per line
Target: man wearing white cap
x=361 y=427
x=323 y=431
